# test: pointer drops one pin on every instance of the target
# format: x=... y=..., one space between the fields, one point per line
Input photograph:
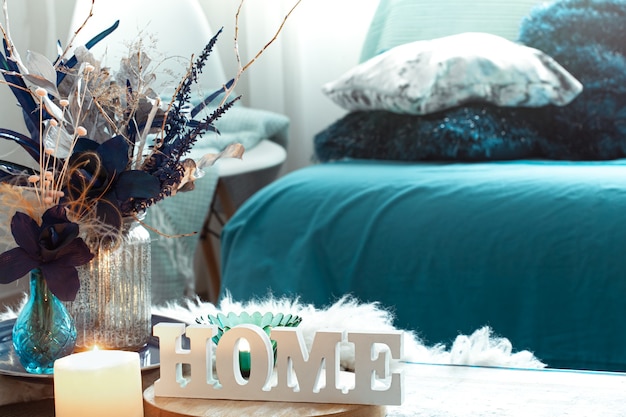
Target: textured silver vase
x=112 y=307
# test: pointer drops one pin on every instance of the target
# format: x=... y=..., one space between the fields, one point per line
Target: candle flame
x=243 y=345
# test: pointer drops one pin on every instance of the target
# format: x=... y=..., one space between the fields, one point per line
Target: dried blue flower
x=54 y=247
x=99 y=175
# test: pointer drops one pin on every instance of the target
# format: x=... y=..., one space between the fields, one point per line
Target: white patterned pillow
x=425 y=77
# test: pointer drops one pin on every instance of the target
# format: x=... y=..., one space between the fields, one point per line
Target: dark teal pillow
x=477 y=132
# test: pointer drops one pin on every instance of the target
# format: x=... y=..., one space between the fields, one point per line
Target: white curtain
x=320 y=41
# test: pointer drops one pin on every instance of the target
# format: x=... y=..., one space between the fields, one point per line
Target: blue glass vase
x=43 y=331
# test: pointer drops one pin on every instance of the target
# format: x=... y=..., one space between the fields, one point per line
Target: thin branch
x=147 y=226
x=243 y=68
x=6 y=33
x=237 y=55
x=146 y=130
x=18 y=87
x=280 y=28
x=71 y=42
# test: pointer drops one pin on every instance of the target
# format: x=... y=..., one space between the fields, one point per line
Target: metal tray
x=10 y=364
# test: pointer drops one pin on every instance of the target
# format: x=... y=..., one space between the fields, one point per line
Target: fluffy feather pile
x=481 y=348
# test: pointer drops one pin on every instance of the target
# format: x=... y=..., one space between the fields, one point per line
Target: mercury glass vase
x=112 y=307
x=44 y=330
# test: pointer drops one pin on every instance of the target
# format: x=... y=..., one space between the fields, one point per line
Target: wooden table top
x=42 y=408
x=447 y=391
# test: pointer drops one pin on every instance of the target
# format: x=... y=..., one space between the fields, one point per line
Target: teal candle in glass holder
x=267 y=321
x=244 y=358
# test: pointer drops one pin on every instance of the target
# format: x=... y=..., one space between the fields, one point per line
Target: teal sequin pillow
x=469 y=133
x=588 y=38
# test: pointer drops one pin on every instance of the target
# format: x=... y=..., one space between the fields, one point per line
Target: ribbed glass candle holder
x=112 y=309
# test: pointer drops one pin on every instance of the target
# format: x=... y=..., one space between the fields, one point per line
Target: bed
x=512 y=219
x=534 y=249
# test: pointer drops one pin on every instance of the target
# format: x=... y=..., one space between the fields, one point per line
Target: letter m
x=302 y=371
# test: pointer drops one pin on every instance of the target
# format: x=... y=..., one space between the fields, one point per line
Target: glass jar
x=112 y=309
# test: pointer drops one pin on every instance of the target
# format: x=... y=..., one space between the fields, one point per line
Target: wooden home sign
x=297 y=375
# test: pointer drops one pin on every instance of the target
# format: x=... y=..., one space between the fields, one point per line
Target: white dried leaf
x=53 y=109
x=41 y=72
x=43 y=83
x=84 y=55
x=234 y=150
x=58 y=139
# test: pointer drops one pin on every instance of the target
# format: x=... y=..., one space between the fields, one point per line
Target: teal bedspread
x=534 y=249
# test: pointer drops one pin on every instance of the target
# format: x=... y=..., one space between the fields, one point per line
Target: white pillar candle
x=98 y=383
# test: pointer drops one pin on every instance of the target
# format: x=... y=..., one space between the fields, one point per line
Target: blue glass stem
x=44 y=331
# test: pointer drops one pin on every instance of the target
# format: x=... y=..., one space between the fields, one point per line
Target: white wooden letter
x=294 y=362
x=301 y=375
x=372 y=368
x=172 y=355
x=227 y=361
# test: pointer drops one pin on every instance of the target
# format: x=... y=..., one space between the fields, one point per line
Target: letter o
x=261 y=359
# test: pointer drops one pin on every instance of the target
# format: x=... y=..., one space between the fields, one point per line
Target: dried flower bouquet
x=106 y=147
